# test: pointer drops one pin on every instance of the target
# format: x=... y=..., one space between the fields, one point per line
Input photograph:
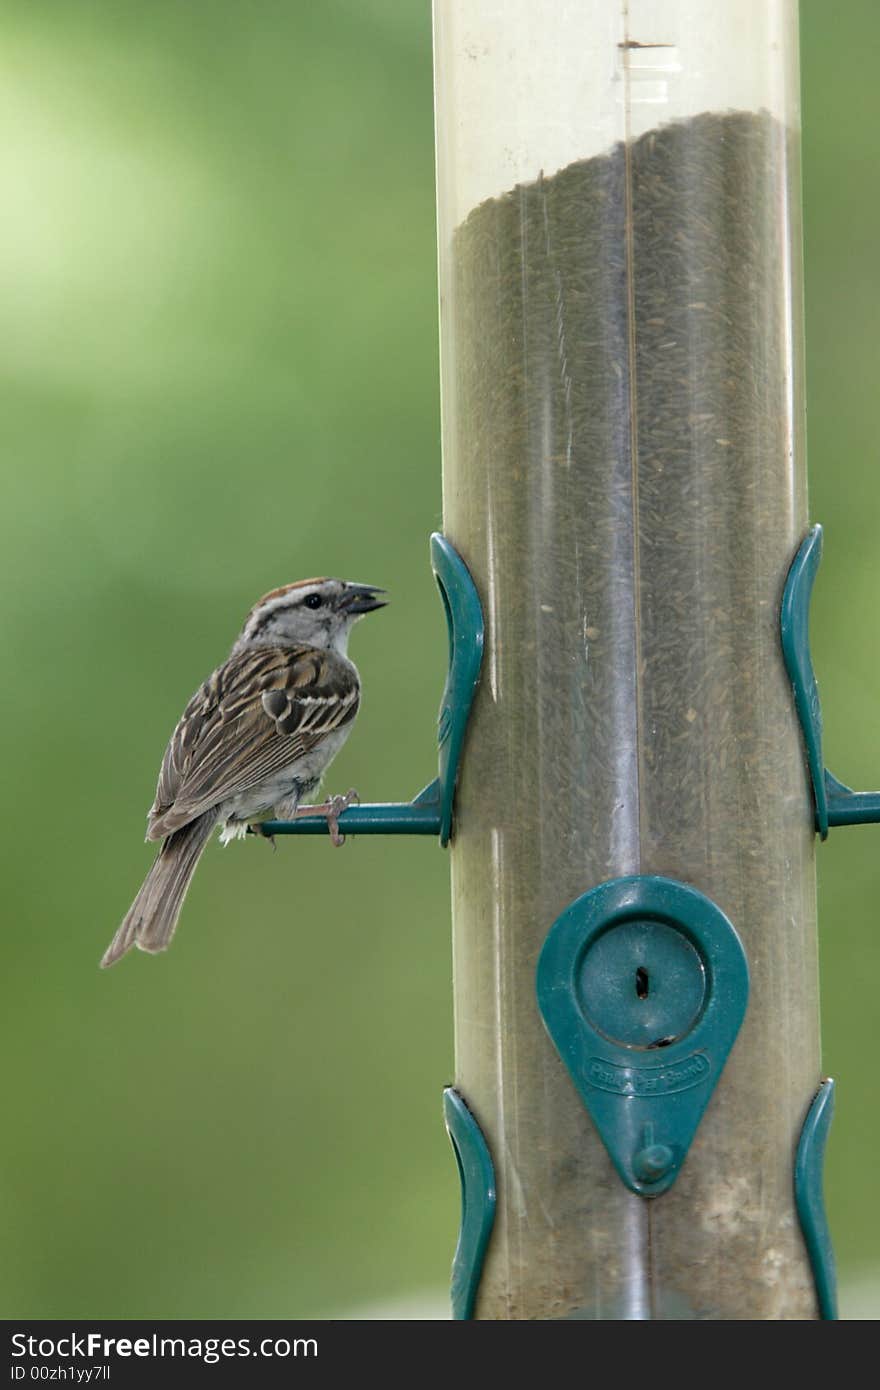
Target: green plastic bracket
x=477 y=1174
x=808 y=1169
x=430 y=812
x=642 y=985
x=835 y=803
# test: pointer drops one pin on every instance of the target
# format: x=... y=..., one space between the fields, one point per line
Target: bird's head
x=315 y=612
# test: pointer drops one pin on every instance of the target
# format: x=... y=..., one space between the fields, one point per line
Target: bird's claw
x=256 y=828
x=335 y=805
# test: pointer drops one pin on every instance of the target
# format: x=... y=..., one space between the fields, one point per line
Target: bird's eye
x=313 y=601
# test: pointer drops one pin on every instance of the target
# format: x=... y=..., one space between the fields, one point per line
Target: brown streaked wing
x=256 y=714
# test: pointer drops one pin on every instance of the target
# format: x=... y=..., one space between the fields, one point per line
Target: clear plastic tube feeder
x=624 y=475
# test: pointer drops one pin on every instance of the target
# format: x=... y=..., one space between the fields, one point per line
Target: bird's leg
x=256 y=828
x=331 y=809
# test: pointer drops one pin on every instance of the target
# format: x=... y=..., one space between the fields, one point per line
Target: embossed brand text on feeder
x=646 y=1081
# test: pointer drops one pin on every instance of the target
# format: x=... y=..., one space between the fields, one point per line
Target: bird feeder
x=630 y=761
x=639 y=1097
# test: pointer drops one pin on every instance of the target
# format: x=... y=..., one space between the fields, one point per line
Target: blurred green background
x=219 y=373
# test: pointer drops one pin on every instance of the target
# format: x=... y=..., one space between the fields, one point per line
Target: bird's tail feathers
x=152 y=917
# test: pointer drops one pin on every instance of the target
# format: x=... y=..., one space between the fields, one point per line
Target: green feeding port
x=836 y=804
x=642 y=985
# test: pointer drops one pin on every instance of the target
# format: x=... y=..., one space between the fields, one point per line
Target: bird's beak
x=361 y=598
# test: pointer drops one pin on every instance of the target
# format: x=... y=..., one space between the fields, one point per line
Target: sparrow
x=254 y=740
